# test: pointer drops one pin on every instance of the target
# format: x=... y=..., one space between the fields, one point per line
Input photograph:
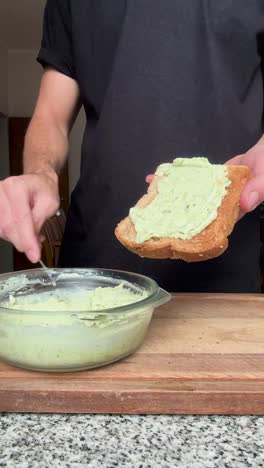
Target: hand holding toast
x=210 y=240
x=253 y=193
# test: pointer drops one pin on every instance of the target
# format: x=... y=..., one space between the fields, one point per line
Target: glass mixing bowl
x=73 y=340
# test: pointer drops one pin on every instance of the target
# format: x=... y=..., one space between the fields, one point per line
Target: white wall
x=24 y=75
x=3 y=78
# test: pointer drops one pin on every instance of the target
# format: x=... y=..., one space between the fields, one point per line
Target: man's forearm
x=46 y=147
x=28 y=200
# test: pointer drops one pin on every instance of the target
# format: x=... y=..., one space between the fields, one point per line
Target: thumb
x=236 y=160
x=44 y=207
x=149 y=178
x=253 y=194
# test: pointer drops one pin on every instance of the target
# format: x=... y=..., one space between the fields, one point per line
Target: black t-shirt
x=158 y=80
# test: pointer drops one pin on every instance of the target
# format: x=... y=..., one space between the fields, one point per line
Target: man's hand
x=253 y=193
x=26 y=202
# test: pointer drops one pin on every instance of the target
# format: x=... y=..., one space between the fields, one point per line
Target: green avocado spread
x=80 y=299
x=65 y=330
x=189 y=193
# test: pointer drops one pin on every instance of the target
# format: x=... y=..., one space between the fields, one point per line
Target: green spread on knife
x=189 y=194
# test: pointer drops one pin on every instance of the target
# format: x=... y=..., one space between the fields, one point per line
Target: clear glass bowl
x=63 y=341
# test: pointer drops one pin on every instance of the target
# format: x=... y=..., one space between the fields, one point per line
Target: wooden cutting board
x=204 y=354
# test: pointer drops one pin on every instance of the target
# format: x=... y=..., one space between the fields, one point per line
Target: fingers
x=25 y=204
x=250 y=159
x=149 y=178
x=241 y=215
x=253 y=193
x=16 y=223
x=45 y=206
x=41 y=238
x=236 y=160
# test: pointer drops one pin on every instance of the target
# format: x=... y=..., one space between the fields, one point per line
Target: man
x=158 y=80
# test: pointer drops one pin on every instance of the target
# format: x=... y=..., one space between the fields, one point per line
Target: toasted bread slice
x=209 y=243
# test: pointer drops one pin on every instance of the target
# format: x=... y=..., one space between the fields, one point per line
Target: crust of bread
x=209 y=243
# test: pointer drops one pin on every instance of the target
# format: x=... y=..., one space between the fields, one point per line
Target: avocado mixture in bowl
x=92 y=317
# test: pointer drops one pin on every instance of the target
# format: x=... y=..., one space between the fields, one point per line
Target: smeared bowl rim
x=140 y=304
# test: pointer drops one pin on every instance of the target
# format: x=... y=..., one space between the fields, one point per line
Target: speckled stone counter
x=40 y=440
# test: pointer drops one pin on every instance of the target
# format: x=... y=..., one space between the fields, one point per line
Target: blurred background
x=20 y=74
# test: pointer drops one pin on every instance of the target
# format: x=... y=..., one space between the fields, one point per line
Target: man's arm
x=46 y=142
x=26 y=201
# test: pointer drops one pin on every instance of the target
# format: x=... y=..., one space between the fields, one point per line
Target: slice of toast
x=209 y=243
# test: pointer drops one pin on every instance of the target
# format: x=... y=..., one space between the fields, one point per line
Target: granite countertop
x=105 y=441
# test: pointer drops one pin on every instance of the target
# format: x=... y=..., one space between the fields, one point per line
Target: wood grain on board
x=204 y=354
